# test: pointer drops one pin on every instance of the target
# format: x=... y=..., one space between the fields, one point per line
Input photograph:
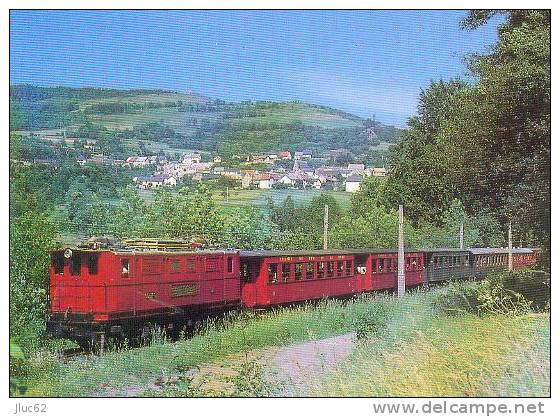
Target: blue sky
x=364 y=62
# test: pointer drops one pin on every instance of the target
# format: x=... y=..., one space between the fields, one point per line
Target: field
x=370 y=346
x=259 y=198
x=286 y=113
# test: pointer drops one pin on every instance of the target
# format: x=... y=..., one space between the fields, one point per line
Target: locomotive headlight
x=68 y=253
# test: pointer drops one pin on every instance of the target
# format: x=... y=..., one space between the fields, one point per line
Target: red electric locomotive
x=125 y=292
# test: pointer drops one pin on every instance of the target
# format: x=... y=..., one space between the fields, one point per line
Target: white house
x=353 y=183
x=191 y=158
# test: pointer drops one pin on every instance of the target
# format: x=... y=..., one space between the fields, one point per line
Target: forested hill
x=188 y=120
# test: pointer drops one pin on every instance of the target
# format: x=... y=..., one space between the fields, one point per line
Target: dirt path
x=295 y=366
x=287 y=370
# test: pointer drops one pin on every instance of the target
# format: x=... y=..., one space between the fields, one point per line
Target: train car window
x=76 y=265
x=191 y=265
x=58 y=264
x=286 y=272
x=272 y=273
x=125 y=268
x=414 y=264
x=309 y=270
x=389 y=264
x=340 y=268
x=348 y=268
x=408 y=264
x=330 y=269
x=320 y=270
x=373 y=266
x=298 y=272
x=380 y=265
x=245 y=272
x=229 y=264
x=92 y=264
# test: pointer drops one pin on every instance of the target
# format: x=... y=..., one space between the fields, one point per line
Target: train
x=104 y=290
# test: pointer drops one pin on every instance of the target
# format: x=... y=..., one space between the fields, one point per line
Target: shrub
x=533 y=285
x=371 y=322
x=485 y=297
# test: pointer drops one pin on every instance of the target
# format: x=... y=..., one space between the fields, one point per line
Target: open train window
x=58 y=264
x=286 y=272
x=309 y=270
x=340 y=268
x=125 y=268
x=348 y=268
x=272 y=273
x=229 y=264
x=245 y=272
x=414 y=264
x=381 y=265
x=320 y=270
x=298 y=272
x=408 y=264
x=330 y=269
x=92 y=264
x=76 y=265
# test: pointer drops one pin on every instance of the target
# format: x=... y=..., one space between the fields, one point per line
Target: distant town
x=299 y=170
x=274 y=170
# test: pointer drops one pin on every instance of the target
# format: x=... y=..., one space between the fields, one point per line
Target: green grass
x=259 y=198
x=426 y=355
x=413 y=351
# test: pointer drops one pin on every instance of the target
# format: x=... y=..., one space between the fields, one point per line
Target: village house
x=353 y=183
x=356 y=168
x=285 y=155
x=217 y=159
x=81 y=160
x=265 y=181
x=153 y=182
x=303 y=155
x=191 y=158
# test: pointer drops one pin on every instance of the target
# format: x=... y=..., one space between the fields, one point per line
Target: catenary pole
x=400 y=276
x=326 y=228
x=510 y=251
x=461 y=237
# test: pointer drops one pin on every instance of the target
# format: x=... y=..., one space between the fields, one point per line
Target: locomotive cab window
x=191 y=265
x=58 y=264
x=125 y=268
x=76 y=265
x=229 y=264
x=92 y=263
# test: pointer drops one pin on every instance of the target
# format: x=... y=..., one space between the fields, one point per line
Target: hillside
x=188 y=120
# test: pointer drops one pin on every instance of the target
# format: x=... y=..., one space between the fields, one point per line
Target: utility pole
x=461 y=237
x=510 y=252
x=326 y=228
x=400 y=276
x=227 y=194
